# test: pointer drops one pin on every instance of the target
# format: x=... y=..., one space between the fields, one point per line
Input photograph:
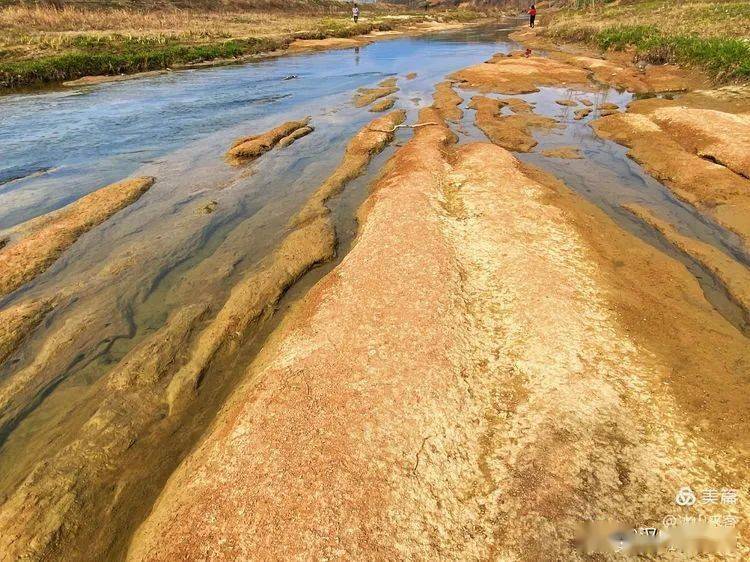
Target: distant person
x=355 y=13
x=532 y=15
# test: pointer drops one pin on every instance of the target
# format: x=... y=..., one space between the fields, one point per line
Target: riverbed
x=120 y=282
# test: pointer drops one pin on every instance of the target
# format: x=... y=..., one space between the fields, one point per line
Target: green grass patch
x=125 y=58
x=724 y=58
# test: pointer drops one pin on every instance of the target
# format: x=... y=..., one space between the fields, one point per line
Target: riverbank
x=40 y=45
x=711 y=35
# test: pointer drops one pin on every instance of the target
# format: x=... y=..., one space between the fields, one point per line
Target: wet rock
x=512 y=132
x=567 y=103
x=587 y=102
x=249 y=148
x=365 y=96
x=36 y=244
x=298 y=134
x=311 y=241
x=411 y=76
x=732 y=275
x=446 y=101
x=582 y=113
x=208 y=208
x=606 y=112
x=608 y=105
x=18 y=321
x=74 y=486
x=369 y=141
x=382 y=105
x=711 y=187
x=510 y=76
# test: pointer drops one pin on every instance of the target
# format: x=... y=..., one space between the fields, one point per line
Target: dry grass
x=713 y=34
x=706 y=18
x=41 y=43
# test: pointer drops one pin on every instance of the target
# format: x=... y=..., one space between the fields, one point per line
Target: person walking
x=532 y=15
x=355 y=12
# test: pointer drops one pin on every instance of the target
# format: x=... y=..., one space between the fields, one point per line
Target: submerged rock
x=36 y=244
x=566 y=152
x=382 y=105
x=512 y=132
x=365 y=96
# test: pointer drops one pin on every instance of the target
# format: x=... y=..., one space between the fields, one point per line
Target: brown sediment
x=295 y=135
x=715 y=135
x=411 y=76
x=208 y=208
x=567 y=152
x=587 y=102
x=607 y=112
x=312 y=241
x=509 y=75
x=732 y=275
x=512 y=132
x=517 y=105
x=18 y=321
x=36 y=244
x=382 y=105
x=582 y=113
x=64 y=494
x=446 y=101
x=608 y=105
x=712 y=188
x=249 y=148
x=369 y=141
x=365 y=96
x=567 y=103
x=486 y=357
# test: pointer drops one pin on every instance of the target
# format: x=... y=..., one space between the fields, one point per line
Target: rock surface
x=512 y=132
x=365 y=96
x=511 y=75
x=476 y=377
x=249 y=148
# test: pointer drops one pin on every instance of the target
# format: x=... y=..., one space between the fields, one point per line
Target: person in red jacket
x=532 y=15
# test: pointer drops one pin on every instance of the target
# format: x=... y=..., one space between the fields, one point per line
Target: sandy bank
x=484 y=369
x=33 y=246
